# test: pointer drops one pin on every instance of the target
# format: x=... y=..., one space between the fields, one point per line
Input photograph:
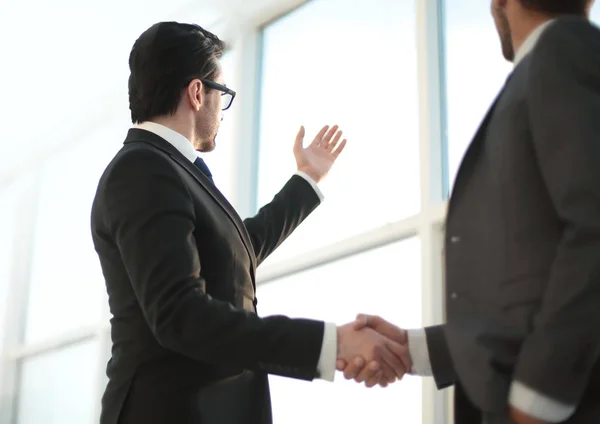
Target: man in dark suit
x=522 y=244
x=179 y=263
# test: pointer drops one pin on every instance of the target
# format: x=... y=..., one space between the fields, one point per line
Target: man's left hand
x=317 y=159
x=519 y=417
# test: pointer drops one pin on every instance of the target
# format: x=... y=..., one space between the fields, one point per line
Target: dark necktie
x=201 y=165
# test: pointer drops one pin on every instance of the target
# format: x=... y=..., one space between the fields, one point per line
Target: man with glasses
x=180 y=264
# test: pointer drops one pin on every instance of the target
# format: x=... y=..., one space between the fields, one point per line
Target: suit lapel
x=471 y=155
x=137 y=135
x=211 y=189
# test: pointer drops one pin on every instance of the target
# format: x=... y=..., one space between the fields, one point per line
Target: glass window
x=595 y=14
x=65 y=264
x=67 y=286
x=475 y=72
x=9 y=196
x=221 y=160
x=353 y=64
x=385 y=281
x=59 y=386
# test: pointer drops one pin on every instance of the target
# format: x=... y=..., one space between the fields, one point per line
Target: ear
x=194 y=94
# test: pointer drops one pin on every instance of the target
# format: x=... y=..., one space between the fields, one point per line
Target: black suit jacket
x=522 y=241
x=179 y=266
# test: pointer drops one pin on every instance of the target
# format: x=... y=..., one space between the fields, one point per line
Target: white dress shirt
x=521 y=397
x=327 y=358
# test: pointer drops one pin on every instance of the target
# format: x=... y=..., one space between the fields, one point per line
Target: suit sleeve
x=151 y=215
x=564 y=107
x=440 y=360
x=278 y=219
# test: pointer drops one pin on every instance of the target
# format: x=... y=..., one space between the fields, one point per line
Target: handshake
x=373 y=351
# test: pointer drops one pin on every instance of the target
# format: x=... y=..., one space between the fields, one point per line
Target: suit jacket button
x=453 y=296
x=454 y=239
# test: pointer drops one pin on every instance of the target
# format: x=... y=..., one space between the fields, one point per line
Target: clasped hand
x=373 y=351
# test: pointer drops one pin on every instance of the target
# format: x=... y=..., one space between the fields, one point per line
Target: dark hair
x=165 y=58
x=557 y=7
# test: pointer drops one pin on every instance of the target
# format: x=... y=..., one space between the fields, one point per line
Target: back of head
x=163 y=60
x=558 y=7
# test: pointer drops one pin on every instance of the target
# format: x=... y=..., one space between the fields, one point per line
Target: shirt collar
x=182 y=144
x=530 y=42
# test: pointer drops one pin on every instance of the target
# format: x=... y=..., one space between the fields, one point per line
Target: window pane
x=595 y=14
x=475 y=72
x=352 y=64
x=384 y=281
x=220 y=161
x=67 y=287
x=9 y=195
x=59 y=387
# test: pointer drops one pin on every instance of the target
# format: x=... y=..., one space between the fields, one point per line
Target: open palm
x=319 y=156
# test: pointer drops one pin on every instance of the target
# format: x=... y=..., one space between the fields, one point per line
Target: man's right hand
x=359 y=345
x=364 y=369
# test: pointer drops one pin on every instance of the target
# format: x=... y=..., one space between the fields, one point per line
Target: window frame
x=245 y=41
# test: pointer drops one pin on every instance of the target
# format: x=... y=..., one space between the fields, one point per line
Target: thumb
x=299 y=144
x=361 y=322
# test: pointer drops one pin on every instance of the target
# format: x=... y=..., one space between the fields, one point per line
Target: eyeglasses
x=227 y=94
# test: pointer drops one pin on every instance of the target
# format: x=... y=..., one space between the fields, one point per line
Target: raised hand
x=317 y=159
x=386 y=356
x=362 y=369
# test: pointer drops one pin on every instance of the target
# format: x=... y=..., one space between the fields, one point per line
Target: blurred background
x=408 y=82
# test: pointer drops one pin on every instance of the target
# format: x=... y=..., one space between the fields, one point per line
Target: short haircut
x=163 y=61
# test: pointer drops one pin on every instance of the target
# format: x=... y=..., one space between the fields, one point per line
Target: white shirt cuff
x=419 y=353
x=327 y=360
x=537 y=405
x=312 y=183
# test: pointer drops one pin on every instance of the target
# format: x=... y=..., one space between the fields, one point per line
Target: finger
x=401 y=353
x=327 y=138
x=299 y=144
x=369 y=372
x=389 y=365
x=383 y=382
x=340 y=148
x=361 y=322
x=354 y=368
x=331 y=145
x=392 y=366
x=394 y=355
x=376 y=379
x=320 y=135
x=340 y=365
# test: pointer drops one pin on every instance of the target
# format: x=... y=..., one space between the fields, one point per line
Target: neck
x=523 y=23
x=177 y=124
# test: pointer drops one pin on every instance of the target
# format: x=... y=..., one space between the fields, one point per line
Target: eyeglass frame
x=220 y=87
x=216 y=86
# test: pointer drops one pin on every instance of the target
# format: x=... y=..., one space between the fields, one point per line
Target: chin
x=507 y=48
x=509 y=53
x=206 y=146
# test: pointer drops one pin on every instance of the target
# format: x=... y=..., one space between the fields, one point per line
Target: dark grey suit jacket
x=179 y=265
x=523 y=233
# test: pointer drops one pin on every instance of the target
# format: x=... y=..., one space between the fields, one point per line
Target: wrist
x=342 y=341
x=312 y=174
